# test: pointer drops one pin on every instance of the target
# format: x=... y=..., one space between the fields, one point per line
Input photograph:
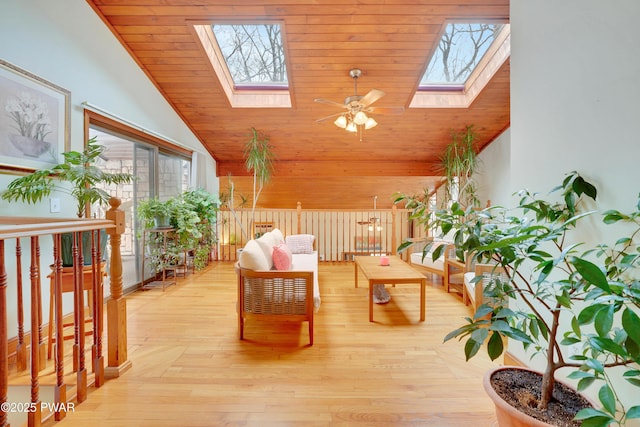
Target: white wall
x=493 y=175
x=66 y=43
x=574 y=105
x=574 y=95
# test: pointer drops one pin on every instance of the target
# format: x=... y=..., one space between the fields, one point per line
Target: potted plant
x=258 y=157
x=206 y=206
x=459 y=163
x=79 y=176
x=574 y=305
x=154 y=213
x=181 y=216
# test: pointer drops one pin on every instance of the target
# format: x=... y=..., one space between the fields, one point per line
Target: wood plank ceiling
x=390 y=40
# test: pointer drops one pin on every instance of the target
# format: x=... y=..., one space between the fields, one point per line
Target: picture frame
x=34 y=120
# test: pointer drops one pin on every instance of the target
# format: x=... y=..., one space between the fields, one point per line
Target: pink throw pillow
x=282 y=257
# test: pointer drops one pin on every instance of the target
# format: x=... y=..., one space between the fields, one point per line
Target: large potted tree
x=79 y=176
x=258 y=159
x=459 y=163
x=573 y=305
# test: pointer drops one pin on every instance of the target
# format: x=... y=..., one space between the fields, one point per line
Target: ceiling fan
x=355 y=119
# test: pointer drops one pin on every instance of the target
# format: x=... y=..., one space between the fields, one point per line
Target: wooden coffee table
x=397 y=272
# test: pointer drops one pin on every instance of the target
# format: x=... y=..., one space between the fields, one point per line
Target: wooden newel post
x=299 y=214
x=117 y=362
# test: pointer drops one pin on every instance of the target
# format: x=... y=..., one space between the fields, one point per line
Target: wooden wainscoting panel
x=329 y=192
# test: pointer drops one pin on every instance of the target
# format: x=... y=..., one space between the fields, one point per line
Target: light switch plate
x=54 y=205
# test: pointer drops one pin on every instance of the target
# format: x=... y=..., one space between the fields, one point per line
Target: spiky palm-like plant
x=79 y=170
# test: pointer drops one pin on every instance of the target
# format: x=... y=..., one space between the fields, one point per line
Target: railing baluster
x=81 y=386
x=35 y=416
x=42 y=346
x=60 y=390
x=98 y=296
x=21 y=349
x=4 y=339
x=76 y=319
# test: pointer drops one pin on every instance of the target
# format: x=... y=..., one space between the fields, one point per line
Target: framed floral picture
x=34 y=120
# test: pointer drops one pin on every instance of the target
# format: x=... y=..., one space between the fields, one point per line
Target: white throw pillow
x=277 y=234
x=252 y=257
x=300 y=243
x=267 y=241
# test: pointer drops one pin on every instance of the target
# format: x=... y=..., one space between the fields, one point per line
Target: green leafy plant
x=154 y=213
x=192 y=215
x=78 y=176
x=560 y=295
x=259 y=157
x=459 y=163
x=206 y=206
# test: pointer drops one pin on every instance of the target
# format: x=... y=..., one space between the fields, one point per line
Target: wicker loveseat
x=268 y=293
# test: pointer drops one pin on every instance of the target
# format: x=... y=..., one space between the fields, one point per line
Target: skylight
x=254 y=54
x=464 y=62
x=461 y=48
x=249 y=62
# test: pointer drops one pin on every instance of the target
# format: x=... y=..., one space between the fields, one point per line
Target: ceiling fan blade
x=328 y=117
x=326 y=101
x=371 y=97
x=386 y=110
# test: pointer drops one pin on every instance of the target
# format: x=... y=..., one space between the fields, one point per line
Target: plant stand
x=164 y=283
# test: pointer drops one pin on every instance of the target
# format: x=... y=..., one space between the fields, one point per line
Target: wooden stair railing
x=30 y=346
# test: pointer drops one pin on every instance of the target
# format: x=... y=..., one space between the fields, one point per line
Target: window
x=161 y=171
x=465 y=60
x=254 y=54
x=249 y=60
x=461 y=48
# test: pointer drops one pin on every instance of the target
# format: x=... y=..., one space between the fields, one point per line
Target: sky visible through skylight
x=461 y=48
x=254 y=53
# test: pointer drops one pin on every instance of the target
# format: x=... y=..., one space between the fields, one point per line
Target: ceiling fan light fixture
x=355 y=119
x=360 y=118
x=370 y=123
x=341 y=122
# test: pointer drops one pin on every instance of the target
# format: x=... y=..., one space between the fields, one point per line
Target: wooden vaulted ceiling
x=389 y=40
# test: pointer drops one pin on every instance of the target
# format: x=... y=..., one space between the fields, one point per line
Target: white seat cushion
x=309 y=262
x=470 y=284
x=416 y=258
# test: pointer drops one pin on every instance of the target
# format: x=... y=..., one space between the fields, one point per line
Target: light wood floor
x=190 y=369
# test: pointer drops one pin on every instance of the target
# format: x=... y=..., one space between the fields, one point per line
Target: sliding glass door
x=158 y=173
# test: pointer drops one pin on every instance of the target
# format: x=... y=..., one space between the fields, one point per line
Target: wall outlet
x=54 y=205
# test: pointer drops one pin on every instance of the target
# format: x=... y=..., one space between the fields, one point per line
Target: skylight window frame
x=250 y=95
x=461 y=96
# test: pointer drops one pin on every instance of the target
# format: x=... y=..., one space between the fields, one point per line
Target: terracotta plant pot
x=510 y=416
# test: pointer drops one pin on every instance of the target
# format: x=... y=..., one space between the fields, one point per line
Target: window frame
x=244 y=96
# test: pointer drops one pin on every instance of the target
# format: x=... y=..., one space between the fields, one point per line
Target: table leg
x=371 y=285
x=423 y=298
x=356 y=280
